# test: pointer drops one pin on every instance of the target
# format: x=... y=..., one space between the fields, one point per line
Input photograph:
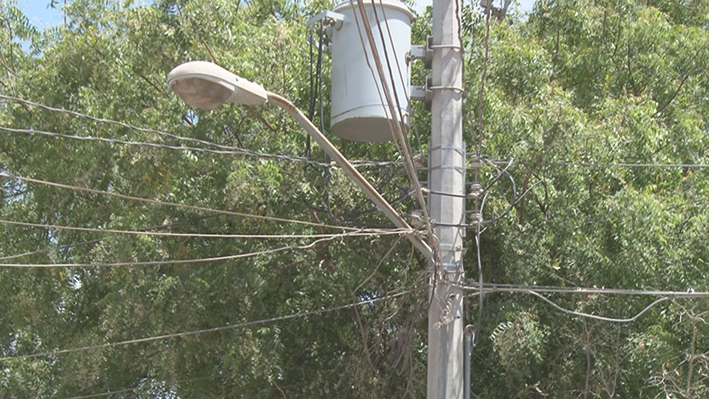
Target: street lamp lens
x=200 y=93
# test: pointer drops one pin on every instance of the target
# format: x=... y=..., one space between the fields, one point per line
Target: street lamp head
x=204 y=85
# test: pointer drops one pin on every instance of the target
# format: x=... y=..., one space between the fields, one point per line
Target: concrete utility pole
x=447 y=176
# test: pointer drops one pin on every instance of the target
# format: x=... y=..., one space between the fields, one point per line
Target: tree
x=571 y=92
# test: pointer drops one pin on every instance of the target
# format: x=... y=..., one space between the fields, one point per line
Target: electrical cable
x=609 y=164
x=203 y=331
x=481 y=91
x=124 y=390
x=319 y=79
x=625 y=165
x=71 y=245
x=481 y=294
x=172 y=261
x=223 y=149
x=592 y=316
x=237 y=151
x=500 y=174
x=388 y=64
x=533 y=291
x=98 y=395
x=495 y=287
x=234 y=151
x=391 y=40
x=311 y=101
x=509 y=209
x=360 y=233
x=117 y=123
x=395 y=126
x=170 y=204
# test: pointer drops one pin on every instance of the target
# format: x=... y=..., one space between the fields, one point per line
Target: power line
x=236 y=151
x=607 y=164
x=221 y=149
x=233 y=151
x=481 y=91
x=76 y=244
x=117 y=123
x=171 y=261
x=124 y=390
x=203 y=331
x=171 y=204
x=492 y=287
x=593 y=316
x=98 y=395
x=391 y=40
x=625 y=165
x=534 y=290
x=393 y=122
x=361 y=232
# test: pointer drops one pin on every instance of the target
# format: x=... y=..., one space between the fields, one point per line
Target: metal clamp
x=459 y=150
x=453 y=167
x=329 y=17
x=451 y=266
x=454 y=88
x=450 y=46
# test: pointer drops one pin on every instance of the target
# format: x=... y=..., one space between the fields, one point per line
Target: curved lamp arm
x=350 y=170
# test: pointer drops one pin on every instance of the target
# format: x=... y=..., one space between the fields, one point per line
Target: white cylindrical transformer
x=358 y=109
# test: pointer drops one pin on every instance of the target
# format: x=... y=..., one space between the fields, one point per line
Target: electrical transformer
x=358 y=105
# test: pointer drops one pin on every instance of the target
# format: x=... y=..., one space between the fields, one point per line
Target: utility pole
x=447 y=176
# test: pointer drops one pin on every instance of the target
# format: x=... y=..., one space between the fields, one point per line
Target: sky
x=42 y=16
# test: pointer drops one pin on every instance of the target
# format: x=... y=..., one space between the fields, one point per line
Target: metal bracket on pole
x=448 y=247
x=451 y=267
x=423 y=93
x=329 y=17
x=424 y=53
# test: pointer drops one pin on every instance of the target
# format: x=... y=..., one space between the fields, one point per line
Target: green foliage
x=578 y=81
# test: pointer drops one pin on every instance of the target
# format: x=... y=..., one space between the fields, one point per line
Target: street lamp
x=205 y=85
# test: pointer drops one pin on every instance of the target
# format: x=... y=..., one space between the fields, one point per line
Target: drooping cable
x=126 y=390
x=220 y=149
x=361 y=233
x=117 y=123
x=235 y=151
x=174 y=261
x=551 y=289
x=203 y=331
x=170 y=204
x=595 y=317
x=395 y=126
x=607 y=164
x=89 y=242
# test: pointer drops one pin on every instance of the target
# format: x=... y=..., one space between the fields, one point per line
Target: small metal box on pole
x=358 y=111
